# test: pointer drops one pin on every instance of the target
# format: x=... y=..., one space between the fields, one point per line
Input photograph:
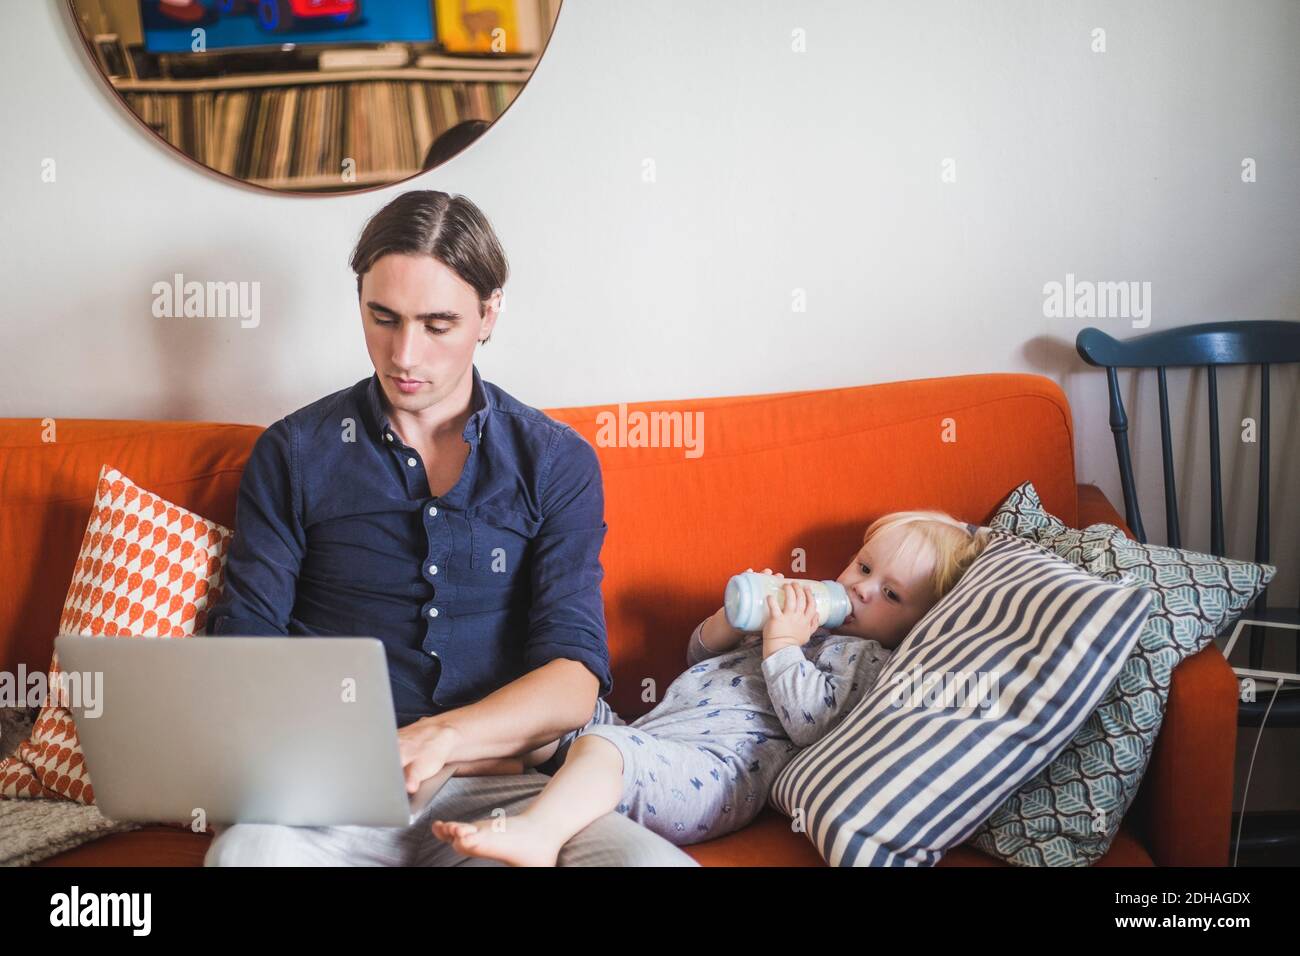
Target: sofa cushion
x=48 y=484
x=146 y=568
x=1069 y=814
x=979 y=697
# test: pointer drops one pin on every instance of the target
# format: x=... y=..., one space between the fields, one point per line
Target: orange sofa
x=797 y=470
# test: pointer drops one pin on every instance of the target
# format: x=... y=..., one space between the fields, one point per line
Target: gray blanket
x=32 y=830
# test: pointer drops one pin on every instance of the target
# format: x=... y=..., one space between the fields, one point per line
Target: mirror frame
x=94 y=60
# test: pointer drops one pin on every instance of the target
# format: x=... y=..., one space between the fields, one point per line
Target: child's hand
x=795 y=624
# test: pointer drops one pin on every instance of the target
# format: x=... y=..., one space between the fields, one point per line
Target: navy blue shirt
x=337 y=534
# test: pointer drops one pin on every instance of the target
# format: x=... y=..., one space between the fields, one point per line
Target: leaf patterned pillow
x=1069 y=813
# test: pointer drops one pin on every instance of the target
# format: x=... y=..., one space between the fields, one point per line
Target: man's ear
x=491 y=309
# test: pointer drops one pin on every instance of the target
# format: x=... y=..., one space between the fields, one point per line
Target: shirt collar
x=478 y=401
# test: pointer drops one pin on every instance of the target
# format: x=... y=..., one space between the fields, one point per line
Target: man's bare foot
x=516 y=840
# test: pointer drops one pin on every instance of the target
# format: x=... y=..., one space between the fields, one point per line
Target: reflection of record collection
x=317 y=95
x=112 y=56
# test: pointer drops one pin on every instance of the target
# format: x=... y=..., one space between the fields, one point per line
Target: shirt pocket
x=500 y=542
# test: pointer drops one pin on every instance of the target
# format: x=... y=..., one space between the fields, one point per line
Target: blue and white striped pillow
x=900 y=780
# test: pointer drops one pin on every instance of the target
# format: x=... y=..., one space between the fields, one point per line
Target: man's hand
x=426 y=746
x=793 y=626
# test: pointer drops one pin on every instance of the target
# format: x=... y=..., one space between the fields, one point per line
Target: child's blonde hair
x=954 y=544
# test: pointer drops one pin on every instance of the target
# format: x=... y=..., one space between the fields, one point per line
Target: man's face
x=422 y=324
x=889 y=593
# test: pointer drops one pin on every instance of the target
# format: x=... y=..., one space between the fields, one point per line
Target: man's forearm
x=533 y=710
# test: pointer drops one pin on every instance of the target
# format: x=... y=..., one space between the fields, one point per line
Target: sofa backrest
x=769 y=477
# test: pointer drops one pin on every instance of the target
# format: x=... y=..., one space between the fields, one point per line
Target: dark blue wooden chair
x=1212 y=344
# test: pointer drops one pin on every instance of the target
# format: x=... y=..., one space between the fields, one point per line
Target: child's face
x=889 y=594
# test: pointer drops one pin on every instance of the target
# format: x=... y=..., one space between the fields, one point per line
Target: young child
x=701 y=763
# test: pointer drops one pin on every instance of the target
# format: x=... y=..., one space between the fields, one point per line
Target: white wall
x=776 y=170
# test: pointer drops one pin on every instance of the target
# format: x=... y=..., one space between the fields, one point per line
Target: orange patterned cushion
x=147 y=568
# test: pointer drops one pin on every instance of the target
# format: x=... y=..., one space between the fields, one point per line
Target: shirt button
x=433 y=569
x=433 y=612
x=433 y=653
x=388 y=436
x=411 y=462
x=433 y=511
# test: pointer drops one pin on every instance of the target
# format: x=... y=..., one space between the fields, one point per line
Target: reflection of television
x=168 y=25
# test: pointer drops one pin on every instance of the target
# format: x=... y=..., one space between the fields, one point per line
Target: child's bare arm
x=717 y=635
x=710 y=639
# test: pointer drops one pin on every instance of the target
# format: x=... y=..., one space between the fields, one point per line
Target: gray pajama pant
x=682 y=778
x=613 y=840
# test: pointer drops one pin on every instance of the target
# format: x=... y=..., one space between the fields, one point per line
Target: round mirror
x=316 y=96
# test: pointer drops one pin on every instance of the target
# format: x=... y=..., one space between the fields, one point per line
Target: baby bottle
x=746 y=600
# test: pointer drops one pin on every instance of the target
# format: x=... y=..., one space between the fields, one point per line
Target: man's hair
x=450 y=228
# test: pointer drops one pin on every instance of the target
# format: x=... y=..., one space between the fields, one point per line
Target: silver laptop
x=292 y=730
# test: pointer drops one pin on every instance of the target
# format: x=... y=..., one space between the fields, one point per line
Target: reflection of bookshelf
x=294 y=130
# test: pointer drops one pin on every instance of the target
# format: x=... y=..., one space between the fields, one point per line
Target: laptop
x=291 y=730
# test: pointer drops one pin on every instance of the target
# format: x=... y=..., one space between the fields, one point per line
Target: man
x=459 y=526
